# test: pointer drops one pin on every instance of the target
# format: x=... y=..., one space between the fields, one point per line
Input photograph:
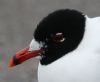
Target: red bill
x=23 y=55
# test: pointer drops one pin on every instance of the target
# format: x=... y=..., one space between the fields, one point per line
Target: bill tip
x=11 y=64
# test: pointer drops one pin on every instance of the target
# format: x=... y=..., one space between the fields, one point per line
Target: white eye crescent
x=58 y=38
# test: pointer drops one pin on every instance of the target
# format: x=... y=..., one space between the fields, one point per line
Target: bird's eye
x=58 y=37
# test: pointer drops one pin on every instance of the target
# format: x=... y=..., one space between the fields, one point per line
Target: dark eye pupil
x=58 y=37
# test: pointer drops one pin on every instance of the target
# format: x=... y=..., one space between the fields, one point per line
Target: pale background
x=18 y=18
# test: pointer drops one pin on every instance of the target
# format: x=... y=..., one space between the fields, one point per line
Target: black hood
x=70 y=23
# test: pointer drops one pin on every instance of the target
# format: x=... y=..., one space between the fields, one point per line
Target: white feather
x=34 y=45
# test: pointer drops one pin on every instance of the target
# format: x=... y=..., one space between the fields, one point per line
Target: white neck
x=91 y=40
